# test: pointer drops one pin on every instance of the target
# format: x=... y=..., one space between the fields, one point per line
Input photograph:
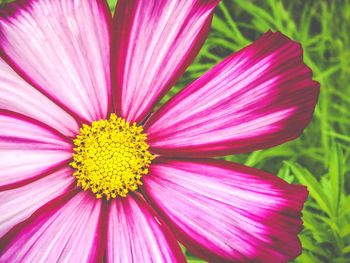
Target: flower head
x=90 y=171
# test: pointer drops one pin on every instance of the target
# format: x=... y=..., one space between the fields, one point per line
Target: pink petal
x=62 y=49
x=18 y=96
x=224 y=211
x=20 y=203
x=28 y=148
x=155 y=41
x=67 y=233
x=136 y=235
x=259 y=97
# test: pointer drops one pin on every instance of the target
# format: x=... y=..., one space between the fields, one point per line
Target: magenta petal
x=223 y=211
x=135 y=235
x=18 y=96
x=28 y=149
x=62 y=49
x=20 y=203
x=154 y=42
x=259 y=97
x=68 y=233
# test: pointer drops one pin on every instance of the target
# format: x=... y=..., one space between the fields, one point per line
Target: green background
x=318 y=159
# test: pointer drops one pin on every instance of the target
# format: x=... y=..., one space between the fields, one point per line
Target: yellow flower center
x=110 y=157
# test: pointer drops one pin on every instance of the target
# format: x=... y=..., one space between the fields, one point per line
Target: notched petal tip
x=228 y=212
x=259 y=97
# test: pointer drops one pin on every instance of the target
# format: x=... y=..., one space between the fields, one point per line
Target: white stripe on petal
x=62 y=48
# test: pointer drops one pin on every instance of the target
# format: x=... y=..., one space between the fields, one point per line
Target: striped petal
x=257 y=98
x=28 y=149
x=154 y=41
x=20 y=203
x=227 y=212
x=18 y=96
x=135 y=235
x=62 y=49
x=66 y=233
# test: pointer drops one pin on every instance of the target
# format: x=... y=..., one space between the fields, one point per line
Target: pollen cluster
x=110 y=157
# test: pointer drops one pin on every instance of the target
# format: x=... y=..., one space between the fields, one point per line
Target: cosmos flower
x=90 y=172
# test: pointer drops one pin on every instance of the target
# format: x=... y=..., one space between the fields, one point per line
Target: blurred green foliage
x=318 y=159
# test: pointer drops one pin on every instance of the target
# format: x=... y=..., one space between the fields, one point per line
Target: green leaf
x=336 y=176
x=314 y=188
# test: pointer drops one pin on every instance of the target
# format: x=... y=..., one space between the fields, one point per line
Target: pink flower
x=65 y=63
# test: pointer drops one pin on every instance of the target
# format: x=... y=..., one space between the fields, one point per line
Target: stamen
x=110 y=158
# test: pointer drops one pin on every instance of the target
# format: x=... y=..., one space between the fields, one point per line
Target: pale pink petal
x=61 y=47
x=20 y=203
x=259 y=97
x=28 y=148
x=136 y=235
x=154 y=42
x=69 y=232
x=223 y=211
x=18 y=96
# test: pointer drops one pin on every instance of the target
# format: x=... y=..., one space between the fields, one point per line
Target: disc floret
x=110 y=157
